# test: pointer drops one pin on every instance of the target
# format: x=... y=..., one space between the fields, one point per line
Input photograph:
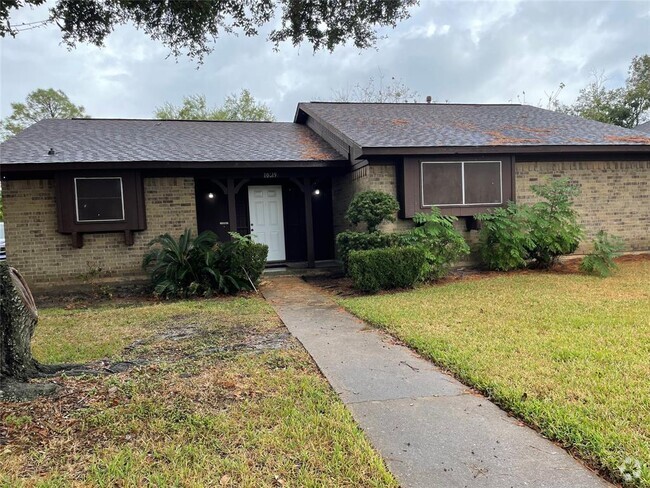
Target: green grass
x=86 y=334
x=207 y=410
x=569 y=354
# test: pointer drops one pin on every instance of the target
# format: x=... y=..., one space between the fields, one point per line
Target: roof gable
x=414 y=125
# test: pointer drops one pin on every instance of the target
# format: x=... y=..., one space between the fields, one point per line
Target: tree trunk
x=18 y=319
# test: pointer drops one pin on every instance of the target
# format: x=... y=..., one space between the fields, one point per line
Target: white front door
x=267 y=219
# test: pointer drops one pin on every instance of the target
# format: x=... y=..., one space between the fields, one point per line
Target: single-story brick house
x=89 y=194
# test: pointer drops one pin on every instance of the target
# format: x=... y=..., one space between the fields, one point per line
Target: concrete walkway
x=431 y=430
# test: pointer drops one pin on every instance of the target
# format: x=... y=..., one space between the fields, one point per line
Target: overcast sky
x=454 y=51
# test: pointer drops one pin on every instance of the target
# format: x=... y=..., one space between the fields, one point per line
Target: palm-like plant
x=200 y=266
x=183 y=267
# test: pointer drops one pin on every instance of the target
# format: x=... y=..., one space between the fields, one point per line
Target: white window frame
x=462 y=173
x=76 y=198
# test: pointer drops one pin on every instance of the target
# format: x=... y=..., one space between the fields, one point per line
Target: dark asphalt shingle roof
x=118 y=140
x=645 y=127
x=452 y=125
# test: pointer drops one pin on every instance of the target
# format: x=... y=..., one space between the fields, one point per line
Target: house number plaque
x=270 y=175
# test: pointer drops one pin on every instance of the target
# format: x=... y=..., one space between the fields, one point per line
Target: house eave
x=566 y=149
x=9 y=168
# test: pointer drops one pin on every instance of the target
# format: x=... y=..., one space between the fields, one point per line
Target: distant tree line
x=626 y=106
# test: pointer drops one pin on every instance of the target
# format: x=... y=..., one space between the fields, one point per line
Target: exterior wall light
x=211 y=195
x=316 y=192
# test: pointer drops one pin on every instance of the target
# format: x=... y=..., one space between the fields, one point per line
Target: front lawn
x=569 y=354
x=221 y=395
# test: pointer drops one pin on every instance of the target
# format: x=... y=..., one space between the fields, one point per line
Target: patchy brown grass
x=224 y=396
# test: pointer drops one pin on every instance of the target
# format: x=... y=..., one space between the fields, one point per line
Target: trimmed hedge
x=382 y=269
x=349 y=241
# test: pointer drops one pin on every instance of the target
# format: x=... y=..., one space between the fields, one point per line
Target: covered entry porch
x=289 y=212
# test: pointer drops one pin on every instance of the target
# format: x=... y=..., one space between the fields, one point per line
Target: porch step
x=300 y=269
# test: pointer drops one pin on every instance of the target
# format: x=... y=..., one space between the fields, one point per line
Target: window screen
x=482 y=183
x=99 y=199
x=442 y=183
x=461 y=183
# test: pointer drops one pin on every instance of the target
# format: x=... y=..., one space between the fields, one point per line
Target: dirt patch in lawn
x=217 y=393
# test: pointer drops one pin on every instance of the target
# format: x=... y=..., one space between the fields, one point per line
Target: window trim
x=134 y=208
x=462 y=171
x=76 y=198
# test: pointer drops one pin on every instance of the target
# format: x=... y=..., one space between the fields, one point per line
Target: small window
x=99 y=199
x=458 y=183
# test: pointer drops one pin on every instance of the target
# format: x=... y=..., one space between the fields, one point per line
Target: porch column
x=309 y=224
x=232 y=209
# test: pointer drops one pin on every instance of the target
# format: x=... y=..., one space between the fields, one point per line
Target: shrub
x=504 y=238
x=554 y=228
x=601 y=261
x=382 y=269
x=541 y=232
x=441 y=243
x=243 y=260
x=178 y=268
x=372 y=207
x=349 y=241
x=198 y=266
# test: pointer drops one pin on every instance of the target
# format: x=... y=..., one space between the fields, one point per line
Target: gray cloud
x=455 y=51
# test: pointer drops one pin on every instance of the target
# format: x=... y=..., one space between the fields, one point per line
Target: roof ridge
x=324 y=102
x=126 y=119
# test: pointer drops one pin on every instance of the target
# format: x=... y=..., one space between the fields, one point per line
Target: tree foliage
x=625 y=106
x=235 y=107
x=192 y=26
x=41 y=104
x=377 y=90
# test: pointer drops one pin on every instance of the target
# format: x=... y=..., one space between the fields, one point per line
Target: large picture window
x=456 y=183
x=99 y=199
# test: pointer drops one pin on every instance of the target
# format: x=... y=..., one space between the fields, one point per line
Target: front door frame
x=237 y=180
x=282 y=253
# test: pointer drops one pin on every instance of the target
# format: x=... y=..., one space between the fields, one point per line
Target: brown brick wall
x=615 y=196
x=372 y=177
x=44 y=256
